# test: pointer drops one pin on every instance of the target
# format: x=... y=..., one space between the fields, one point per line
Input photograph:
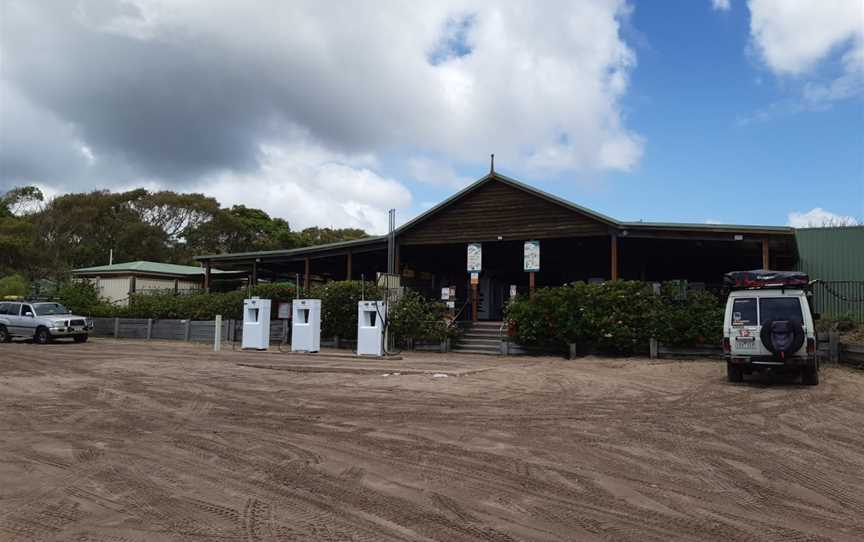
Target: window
x=48 y=309
x=3 y=307
x=780 y=308
x=25 y=309
x=744 y=312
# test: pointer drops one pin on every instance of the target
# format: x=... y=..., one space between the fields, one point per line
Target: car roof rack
x=760 y=279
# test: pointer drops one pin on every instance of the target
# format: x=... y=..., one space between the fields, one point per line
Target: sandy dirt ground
x=135 y=441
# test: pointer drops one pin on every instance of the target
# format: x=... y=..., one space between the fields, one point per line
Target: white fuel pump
x=306 y=325
x=256 y=323
x=371 y=317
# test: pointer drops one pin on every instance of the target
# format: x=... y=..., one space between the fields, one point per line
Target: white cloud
x=721 y=5
x=819 y=217
x=310 y=186
x=538 y=85
x=796 y=38
x=792 y=36
x=436 y=172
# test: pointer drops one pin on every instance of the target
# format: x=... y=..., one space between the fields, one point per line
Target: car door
x=744 y=335
x=12 y=311
x=27 y=324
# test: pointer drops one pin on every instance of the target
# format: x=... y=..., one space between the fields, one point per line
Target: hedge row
x=411 y=318
x=617 y=316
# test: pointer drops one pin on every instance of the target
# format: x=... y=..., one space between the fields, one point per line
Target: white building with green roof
x=118 y=281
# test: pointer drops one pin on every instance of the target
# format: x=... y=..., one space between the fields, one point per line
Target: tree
x=322 y=236
x=242 y=229
x=21 y=200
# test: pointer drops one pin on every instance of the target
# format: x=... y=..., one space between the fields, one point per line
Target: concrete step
x=485 y=333
x=465 y=339
x=477 y=346
x=484 y=325
x=482 y=352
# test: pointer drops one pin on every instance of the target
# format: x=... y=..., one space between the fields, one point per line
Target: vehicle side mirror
x=28 y=314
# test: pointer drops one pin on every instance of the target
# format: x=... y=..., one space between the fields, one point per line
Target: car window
x=780 y=308
x=13 y=309
x=48 y=309
x=744 y=312
x=3 y=308
x=25 y=309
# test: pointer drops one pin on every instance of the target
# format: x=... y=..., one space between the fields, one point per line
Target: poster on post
x=532 y=256
x=475 y=257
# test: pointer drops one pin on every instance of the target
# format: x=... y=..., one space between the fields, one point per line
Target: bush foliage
x=415 y=317
x=14 y=285
x=339 y=305
x=617 y=316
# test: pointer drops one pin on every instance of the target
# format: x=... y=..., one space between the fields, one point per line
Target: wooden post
x=308 y=270
x=254 y=280
x=833 y=347
x=531 y=284
x=398 y=259
x=206 y=279
x=766 y=259
x=348 y=269
x=474 y=303
x=614 y=262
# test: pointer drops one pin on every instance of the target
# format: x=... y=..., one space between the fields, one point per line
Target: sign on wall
x=284 y=311
x=532 y=256
x=475 y=257
x=445 y=294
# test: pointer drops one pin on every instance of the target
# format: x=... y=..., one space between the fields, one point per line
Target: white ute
x=768 y=326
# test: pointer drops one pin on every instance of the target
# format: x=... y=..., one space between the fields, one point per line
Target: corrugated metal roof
x=831 y=253
x=144 y=267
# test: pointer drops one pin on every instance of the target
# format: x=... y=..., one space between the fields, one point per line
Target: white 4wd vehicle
x=769 y=326
x=40 y=322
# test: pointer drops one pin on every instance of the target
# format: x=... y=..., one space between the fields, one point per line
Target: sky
x=329 y=113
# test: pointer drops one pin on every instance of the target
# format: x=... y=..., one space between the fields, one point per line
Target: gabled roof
x=144 y=267
x=493 y=176
x=381 y=240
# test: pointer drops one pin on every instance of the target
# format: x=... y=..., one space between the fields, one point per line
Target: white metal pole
x=217 y=334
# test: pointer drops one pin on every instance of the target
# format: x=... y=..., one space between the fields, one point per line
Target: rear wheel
x=80 y=338
x=4 y=335
x=810 y=375
x=734 y=372
x=42 y=336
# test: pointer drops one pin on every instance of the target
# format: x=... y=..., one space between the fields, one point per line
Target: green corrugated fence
x=839 y=299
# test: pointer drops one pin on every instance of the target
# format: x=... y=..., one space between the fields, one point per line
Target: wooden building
x=501 y=214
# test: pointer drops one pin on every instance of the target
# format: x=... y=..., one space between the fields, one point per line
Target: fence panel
x=103 y=327
x=169 y=330
x=133 y=328
x=839 y=299
x=202 y=330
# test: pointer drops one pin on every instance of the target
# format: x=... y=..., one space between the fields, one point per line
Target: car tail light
x=727 y=345
x=811 y=346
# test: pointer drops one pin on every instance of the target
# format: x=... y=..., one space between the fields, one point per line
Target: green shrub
x=339 y=306
x=414 y=317
x=14 y=286
x=79 y=297
x=618 y=316
x=696 y=320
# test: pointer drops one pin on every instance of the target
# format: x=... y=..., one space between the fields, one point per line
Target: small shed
x=118 y=281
